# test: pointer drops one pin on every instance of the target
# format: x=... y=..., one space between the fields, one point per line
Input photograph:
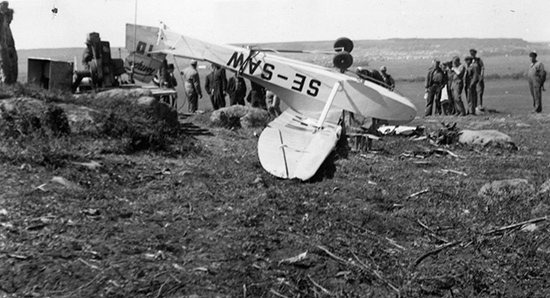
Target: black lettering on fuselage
x=267 y=72
x=314 y=87
x=252 y=66
x=237 y=59
x=140 y=67
x=299 y=83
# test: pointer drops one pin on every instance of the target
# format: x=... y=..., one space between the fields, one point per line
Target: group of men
x=381 y=77
x=217 y=86
x=445 y=82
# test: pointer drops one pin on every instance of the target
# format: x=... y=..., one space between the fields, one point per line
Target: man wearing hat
x=536 y=77
x=435 y=80
x=471 y=79
x=388 y=80
x=480 y=88
x=192 y=84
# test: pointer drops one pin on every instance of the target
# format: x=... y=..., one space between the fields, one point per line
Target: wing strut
x=283 y=150
x=331 y=97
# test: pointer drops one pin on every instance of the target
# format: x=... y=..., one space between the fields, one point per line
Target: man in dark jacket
x=480 y=87
x=435 y=80
x=219 y=86
x=387 y=78
x=236 y=88
x=209 y=87
x=256 y=96
x=471 y=79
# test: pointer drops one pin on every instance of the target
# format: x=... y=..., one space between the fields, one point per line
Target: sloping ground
x=201 y=218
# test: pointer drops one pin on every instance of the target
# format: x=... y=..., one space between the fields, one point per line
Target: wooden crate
x=50 y=74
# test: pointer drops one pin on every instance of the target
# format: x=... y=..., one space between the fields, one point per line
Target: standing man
x=435 y=80
x=447 y=103
x=219 y=86
x=256 y=96
x=457 y=84
x=192 y=84
x=480 y=88
x=273 y=103
x=209 y=87
x=236 y=88
x=471 y=79
x=387 y=79
x=536 y=77
x=171 y=83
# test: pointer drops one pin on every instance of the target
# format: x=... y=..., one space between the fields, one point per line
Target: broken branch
x=516 y=225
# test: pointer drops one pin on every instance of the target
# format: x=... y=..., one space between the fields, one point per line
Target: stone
x=82 y=119
x=485 y=137
x=506 y=188
x=243 y=115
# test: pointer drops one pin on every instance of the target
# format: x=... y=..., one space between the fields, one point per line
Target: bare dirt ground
x=402 y=220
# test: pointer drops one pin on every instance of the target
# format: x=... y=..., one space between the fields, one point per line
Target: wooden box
x=50 y=74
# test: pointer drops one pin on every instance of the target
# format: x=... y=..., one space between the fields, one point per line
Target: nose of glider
x=400 y=110
x=379 y=102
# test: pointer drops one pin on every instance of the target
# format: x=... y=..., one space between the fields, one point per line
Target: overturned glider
x=296 y=143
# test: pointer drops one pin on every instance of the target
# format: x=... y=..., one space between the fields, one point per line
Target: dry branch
x=319 y=286
x=277 y=294
x=377 y=274
x=436 y=251
x=516 y=225
x=332 y=255
x=362 y=266
x=418 y=193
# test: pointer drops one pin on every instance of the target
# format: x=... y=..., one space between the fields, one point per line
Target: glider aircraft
x=296 y=143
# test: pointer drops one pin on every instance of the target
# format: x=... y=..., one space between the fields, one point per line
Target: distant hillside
x=413 y=48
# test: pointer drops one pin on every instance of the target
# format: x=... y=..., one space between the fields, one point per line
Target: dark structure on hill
x=8 y=54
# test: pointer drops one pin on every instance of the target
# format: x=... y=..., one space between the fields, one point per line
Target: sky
x=256 y=21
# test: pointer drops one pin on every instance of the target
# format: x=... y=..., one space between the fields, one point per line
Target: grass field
x=197 y=216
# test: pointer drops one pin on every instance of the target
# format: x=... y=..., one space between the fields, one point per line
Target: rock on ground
x=484 y=137
x=245 y=116
x=506 y=188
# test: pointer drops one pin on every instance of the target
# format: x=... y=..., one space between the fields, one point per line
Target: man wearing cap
x=536 y=77
x=192 y=84
x=480 y=88
x=388 y=80
x=435 y=80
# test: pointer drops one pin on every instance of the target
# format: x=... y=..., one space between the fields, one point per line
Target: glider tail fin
x=144 y=59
